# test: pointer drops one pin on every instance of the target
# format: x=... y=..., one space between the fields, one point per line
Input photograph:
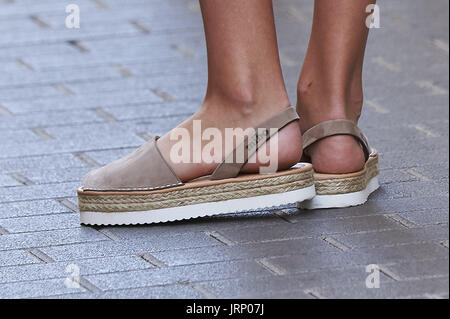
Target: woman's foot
x=221 y=114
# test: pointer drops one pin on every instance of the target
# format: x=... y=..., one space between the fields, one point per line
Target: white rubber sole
x=197 y=210
x=341 y=200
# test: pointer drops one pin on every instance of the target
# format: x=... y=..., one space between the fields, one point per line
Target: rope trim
x=213 y=193
x=347 y=185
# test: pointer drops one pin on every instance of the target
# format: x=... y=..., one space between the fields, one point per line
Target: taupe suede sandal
x=342 y=190
x=142 y=188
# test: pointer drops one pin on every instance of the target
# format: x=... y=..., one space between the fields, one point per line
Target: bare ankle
x=245 y=102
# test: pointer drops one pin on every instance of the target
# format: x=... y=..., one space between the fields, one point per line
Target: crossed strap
x=230 y=167
x=336 y=127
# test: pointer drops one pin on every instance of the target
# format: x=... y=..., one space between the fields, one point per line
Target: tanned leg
x=330 y=84
x=245 y=82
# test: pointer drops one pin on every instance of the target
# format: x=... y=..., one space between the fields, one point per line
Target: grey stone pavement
x=74 y=99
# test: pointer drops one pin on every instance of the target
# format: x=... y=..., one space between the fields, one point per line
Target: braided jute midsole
x=125 y=201
x=347 y=183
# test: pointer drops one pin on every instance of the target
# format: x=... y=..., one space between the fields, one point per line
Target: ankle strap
x=229 y=168
x=336 y=127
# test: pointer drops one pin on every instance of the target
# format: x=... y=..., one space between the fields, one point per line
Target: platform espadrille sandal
x=141 y=188
x=342 y=190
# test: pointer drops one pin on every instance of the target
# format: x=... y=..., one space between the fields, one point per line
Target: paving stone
x=56 y=176
x=427 y=217
x=6 y=180
x=425 y=288
x=16 y=258
x=371 y=207
x=41 y=223
x=394 y=237
x=19 y=193
x=310 y=228
x=418 y=269
x=193 y=273
x=248 y=251
x=34 y=289
x=36 y=272
x=236 y=222
x=176 y=291
x=288 y=286
x=364 y=257
x=77 y=104
x=58 y=162
x=47 y=238
x=128 y=247
x=31 y=208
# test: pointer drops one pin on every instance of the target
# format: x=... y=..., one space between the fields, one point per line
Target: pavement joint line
x=377 y=107
x=42 y=133
x=38 y=20
x=4 y=111
x=141 y=27
x=430 y=86
x=418 y=175
x=421 y=128
x=123 y=71
x=145 y=136
x=63 y=89
x=86 y=159
x=401 y=220
x=164 y=95
x=199 y=288
x=153 y=260
x=441 y=45
x=388 y=273
x=24 y=65
x=220 y=238
x=39 y=254
x=183 y=50
x=21 y=179
x=336 y=244
x=105 y=116
x=314 y=294
x=107 y=233
x=380 y=61
x=3 y=231
x=68 y=204
x=445 y=243
x=86 y=284
x=281 y=214
x=274 y=269
x=100 y=4
x=92 y=81
x=78 y=46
